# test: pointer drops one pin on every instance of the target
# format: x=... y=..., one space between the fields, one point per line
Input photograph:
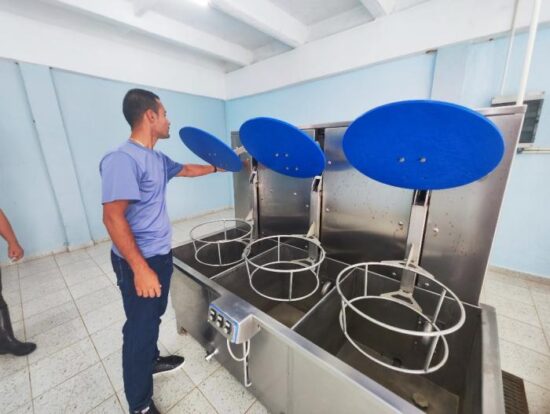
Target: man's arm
x=145 y=279
x=15 y=251
x=196 y=170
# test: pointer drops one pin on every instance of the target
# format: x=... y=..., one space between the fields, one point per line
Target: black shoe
x=8 y=343
x=167 y=363
x=149 y=410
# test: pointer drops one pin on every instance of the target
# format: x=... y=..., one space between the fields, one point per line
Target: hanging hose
x=243 y=359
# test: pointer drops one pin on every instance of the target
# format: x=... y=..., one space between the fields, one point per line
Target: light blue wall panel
x=469 y=74
x=92 y=112
x=522 y=239
x=92 y=115
x=339 y=98
x=26 y=195
x=51 y=135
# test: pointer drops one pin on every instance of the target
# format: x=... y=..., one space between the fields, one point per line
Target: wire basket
x=220 y=243
x=425 y=329
x=292 y=265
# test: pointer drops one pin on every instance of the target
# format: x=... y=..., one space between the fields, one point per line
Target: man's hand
x=146 y=280
x=15 y=251
x=147 y=283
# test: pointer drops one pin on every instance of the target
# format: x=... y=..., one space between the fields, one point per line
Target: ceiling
x=234 y=48
x=225 y=34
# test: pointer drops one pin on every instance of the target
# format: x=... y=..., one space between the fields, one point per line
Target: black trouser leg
x=8 y=343
x=3 y=303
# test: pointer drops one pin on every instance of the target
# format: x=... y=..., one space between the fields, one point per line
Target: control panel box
x=232 y=318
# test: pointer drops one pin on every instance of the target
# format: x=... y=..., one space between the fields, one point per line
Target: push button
x=212 y=315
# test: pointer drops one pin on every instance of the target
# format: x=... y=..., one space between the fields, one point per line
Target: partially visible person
x=8 y=343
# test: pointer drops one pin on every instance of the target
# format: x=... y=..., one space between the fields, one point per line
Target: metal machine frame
x=302 y=363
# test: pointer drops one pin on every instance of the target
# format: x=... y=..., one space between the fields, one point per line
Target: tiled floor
x=523 y=315
x=70 y=306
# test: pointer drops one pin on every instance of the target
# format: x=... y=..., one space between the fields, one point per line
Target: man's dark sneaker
x=167 y=363
x=148 y=410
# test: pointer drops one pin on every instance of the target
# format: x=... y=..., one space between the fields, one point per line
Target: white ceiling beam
x=121 y=12
x=141 y=6
x=70 y=49
x=267 y=18
x=428 y=26
x=379 y=8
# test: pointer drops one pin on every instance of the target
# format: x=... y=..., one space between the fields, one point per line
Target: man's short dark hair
x=136 y=103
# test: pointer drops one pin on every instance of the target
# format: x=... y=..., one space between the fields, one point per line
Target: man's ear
x=150 y=115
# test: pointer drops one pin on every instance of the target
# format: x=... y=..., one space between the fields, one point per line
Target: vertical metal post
x=255 y=208
x=365 y=291
x=510 y=47
x=529 y=53
x=315 y=215
x=219 y=253
x=415 y=237
x=431 y=352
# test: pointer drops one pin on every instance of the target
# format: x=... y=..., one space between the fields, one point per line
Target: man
x=134 y=179
x=8 y=343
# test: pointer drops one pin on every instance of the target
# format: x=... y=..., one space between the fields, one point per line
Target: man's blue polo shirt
x=140 y=175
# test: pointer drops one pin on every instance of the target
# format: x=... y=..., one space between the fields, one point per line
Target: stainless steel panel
x=284 y=202
x=291 y=374
x=362 y=220
x=491 y=385
x=315 y=389
x=269 y=371
x=241 y=187
x=461 y=221
x=191 y=299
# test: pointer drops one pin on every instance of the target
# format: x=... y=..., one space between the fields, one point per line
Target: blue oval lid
x=423 y=145
x=282 y=147
x=211 y=149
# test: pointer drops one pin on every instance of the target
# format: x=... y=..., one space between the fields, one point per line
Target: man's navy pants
x=141 y=330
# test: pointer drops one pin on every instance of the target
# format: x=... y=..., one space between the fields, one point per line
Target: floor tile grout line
x=106 y=399
x=189 y=392
x=253 y=402
x=30 y=377
x=511 y=299
x=65 y=345
x=488 y=302
x=68 y=379
x=515 y=319
x=488 y=282
x=524 y=347
x=27 y=362
x=540 y=320
x=207 y=400
x=211 y=374
x=88 y=337
x=536 y=385
x=92 y=342
x=530 y=325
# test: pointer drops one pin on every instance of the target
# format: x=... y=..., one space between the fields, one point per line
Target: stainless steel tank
x=299 y=359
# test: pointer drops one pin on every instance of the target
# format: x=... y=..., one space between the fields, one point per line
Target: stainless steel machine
x=294 y=354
